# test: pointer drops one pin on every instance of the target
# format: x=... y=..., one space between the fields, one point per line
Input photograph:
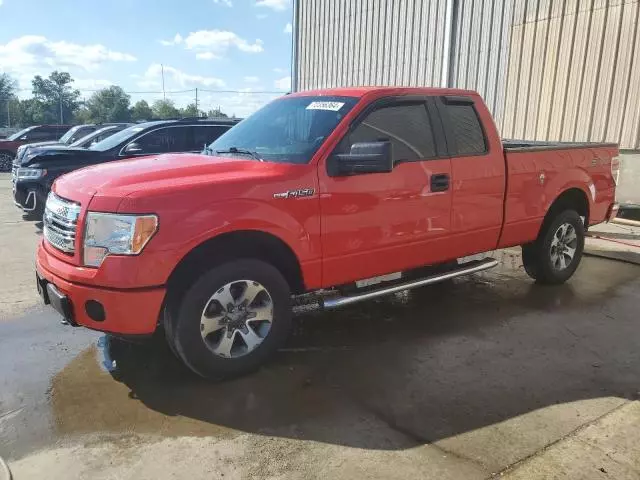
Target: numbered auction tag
x=333 y=106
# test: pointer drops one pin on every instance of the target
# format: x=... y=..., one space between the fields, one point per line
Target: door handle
x=440 y=182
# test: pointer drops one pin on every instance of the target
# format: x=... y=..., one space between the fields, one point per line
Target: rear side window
x=39 y=134
x=467 y=130
x=163 y=140
x=407 y=127
x=203 y=135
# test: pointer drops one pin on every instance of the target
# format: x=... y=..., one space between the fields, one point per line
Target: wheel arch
x=570 y=199
x=237 y=244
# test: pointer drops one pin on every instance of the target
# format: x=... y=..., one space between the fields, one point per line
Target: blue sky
x=241 y=45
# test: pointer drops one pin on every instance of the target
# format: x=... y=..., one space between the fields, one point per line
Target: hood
x=162 y=173
x=56 y=153
x=41 y=144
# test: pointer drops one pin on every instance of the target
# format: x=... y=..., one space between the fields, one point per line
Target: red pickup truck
x=351 y=192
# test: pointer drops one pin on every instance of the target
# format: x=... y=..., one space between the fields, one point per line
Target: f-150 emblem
x=301 y=192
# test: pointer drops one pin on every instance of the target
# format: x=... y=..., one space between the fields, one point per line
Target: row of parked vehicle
x=36 y=164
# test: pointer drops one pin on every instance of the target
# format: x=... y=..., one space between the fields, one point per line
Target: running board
x=464 y=269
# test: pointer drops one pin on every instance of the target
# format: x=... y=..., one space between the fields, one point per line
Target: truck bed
x=511 y=145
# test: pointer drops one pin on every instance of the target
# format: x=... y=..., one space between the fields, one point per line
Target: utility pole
x=164 y=96
x=197 y=112
x=60 y=97
x=8 y=114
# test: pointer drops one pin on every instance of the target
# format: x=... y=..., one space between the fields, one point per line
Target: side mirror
x=23 y=138
x=365 y=157
x=133 y=148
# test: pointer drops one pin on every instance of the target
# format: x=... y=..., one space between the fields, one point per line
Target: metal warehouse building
x=548 y=69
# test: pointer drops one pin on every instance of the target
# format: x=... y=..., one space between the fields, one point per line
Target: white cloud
x=288 y=28
x=35 y=53
x=224 y=2
x=174 y=41
x=206 y=56
x=219 y=41
x=210 y=44
x=175 y=78
x=274 y=4
x=241 y=104
x=283 y=83
x=251 y=79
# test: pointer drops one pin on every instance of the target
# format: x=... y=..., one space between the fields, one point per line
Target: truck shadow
x=393 y=373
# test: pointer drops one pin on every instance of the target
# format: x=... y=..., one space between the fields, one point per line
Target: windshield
x=17 y=135
x=290 y=129
x=117 y=138
x=65 y=138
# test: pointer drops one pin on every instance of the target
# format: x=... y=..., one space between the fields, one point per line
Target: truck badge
x=300 y=192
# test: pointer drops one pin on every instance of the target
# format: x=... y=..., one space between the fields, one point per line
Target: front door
x=379 y=223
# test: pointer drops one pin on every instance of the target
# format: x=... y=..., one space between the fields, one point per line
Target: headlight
x=108 y=233
x=30 y=173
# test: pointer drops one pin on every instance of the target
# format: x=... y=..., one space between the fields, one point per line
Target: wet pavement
x=421 y=367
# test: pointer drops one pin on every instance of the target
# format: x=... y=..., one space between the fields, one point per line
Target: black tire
x=183 y=331
x=538 y=257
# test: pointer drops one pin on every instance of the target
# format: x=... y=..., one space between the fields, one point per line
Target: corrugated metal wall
x=579 y=74
x=548 y=69
x=370 y=42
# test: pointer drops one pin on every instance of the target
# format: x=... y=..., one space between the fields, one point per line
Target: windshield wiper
x=242 y=151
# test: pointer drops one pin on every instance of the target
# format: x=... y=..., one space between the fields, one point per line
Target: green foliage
x=141 y=111
x=107 y=105
x=217 y=113
x=58 y=100
x=165 y=109
x=54 y=95
x=7 y=93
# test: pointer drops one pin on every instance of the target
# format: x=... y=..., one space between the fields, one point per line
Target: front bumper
x=117 y=311
x=28 y=196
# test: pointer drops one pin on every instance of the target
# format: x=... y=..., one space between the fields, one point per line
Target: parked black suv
x=33 y=176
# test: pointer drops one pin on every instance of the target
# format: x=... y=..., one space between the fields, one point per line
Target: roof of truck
x=362 y=91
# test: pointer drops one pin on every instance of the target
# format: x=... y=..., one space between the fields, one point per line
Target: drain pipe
x=449 y=53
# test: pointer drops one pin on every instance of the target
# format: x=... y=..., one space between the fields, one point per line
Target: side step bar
x=465 y=269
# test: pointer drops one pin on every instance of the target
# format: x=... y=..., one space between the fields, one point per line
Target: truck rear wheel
x=554 y=257
x=232 y=319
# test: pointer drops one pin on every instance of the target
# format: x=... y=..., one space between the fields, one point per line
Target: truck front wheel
x=232 y=319
x=554 y=257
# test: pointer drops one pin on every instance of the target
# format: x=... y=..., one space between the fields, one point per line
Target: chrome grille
x=60 y=221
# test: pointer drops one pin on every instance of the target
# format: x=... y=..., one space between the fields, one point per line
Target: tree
x=141 y=111
x=217 y=113
x=109 y=105
x=165 y=109
x=59 y=100
x=191 y=111
x=7 y=93
x=26 y=112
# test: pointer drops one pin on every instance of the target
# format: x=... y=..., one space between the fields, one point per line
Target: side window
x=81 y=132
x=163 y=140
x=467 y=130
x=407 y=127
x=205 y=134
x=41 y=134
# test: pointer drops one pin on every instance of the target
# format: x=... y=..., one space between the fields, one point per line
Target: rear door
x=478 y=176
x=379 y=223
x=203 y=135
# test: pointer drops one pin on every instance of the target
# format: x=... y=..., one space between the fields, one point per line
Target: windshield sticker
x=332 y=106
